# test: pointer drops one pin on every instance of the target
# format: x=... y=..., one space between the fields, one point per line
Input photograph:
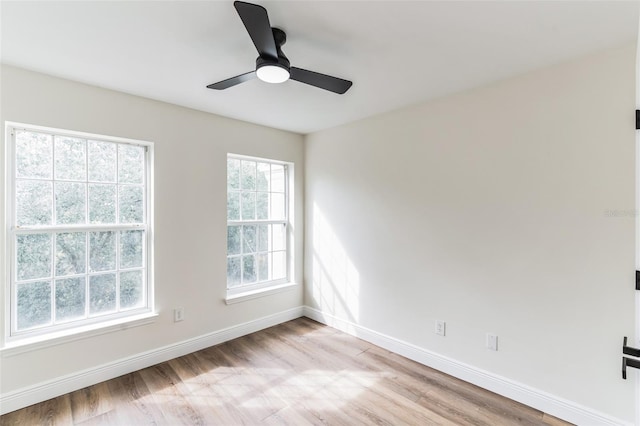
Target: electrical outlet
x=492 y=342
x=178 y=314
x=440 y=327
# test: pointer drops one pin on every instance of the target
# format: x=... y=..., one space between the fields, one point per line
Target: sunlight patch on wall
x=336 y=281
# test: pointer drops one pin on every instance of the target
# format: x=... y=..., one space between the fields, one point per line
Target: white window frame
x=249 y=291
x=87 y=326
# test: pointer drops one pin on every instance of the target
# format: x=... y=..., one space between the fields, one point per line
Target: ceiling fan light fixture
x=271 y=73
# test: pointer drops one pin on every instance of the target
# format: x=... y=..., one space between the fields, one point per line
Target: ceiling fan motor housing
x=280 y=62
x=280 y=37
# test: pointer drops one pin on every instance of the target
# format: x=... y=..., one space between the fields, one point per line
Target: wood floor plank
x=169 y=394
x=104 y=419
x=289 y=416
x=552 y=421
x=90 y=402
x=56 y=411
x=297 y=373
x=133 y=401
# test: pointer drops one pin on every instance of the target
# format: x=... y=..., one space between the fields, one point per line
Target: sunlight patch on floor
x=274 y=389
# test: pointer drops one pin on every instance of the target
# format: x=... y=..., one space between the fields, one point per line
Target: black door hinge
x=628 y=350
x=629 y=362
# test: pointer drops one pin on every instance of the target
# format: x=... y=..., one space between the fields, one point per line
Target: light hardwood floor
x=296 y=373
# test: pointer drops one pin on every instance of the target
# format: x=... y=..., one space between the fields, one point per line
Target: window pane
x=102 y=161
x=277 y=206
x=249 y=239
x=130 y=164
x=263 y=176
x=70 y=202
x=233 y=206
x=34 y=202
x=131 y=289
x=102 y=203
x=248 y=175
x=34 y=304
x=34 y=155
x=263 y=237
x=233 y=271
x=248 y=206
x=70 y=298
x=249 y=269
x=233 y=240
x=102 y=293
x=131 y=204
x=102 y=254
x=233 y=173
x=262 y=205
x=70 y=253
x=70 y=158
x=34 y=256
x=131 y=249
x=279 y=265
x=278 y=237
x=277 y=178
x=263 y=267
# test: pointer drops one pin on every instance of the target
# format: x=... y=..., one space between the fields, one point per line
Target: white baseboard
x=540 y=400
x=24 y=397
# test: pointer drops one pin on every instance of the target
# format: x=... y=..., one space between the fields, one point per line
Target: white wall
x=190 y=213
x=486 y=209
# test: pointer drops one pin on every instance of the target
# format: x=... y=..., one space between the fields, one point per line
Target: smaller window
x=257 y=223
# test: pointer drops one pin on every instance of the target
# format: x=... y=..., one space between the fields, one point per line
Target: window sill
x=254 y=294
x=57 y=338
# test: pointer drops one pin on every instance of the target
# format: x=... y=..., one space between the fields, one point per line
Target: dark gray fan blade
x=230 y=82
x=323 y=81
x=256 y=21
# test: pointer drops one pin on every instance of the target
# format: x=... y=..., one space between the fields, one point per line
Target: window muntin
x=257 y=223
x=78 y=229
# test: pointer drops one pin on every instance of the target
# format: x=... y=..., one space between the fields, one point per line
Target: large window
x=78 y=229
x=257 y=223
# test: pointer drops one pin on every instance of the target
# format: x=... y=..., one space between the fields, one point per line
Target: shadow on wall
x=336 y=281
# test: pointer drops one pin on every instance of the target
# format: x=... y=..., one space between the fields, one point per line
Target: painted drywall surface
x=190 y=213
x=508 y=209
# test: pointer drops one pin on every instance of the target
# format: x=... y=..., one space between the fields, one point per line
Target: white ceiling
x=396 y=53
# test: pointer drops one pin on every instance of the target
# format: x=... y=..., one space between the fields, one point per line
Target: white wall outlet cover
x=492 y=342
x=440 y=327
x=178 y=314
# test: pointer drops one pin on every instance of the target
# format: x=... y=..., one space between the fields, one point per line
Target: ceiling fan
x=272 y=66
